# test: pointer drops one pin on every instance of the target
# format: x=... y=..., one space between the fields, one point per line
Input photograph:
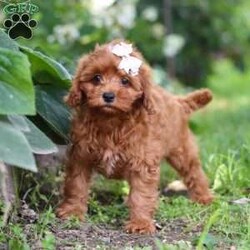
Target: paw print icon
x=20 y=26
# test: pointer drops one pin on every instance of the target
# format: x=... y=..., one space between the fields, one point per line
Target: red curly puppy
x=123 y=127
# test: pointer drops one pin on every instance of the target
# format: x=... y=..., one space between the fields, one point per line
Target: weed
x=49 y=241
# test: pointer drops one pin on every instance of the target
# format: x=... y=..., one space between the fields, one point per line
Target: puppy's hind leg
x=185 y=161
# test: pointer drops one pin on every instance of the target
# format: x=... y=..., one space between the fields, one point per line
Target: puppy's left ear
x=146 y=83
x=75 y=96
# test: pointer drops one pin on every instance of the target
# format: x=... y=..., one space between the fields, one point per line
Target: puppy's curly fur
x=127 y=136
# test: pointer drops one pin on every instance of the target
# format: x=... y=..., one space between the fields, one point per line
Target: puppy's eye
x=125 y=81
x=97 y=79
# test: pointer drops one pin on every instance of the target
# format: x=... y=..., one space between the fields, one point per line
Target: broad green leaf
x=19 y=122
x=39 y=142
x=221 y=177
x=16 y=88
x=6 y=42
x=14 y=148
x=45 y=70
x=47 y=129
x=51 y=108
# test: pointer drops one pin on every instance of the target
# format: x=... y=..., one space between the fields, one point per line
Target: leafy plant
x=26 y=76
x=32 y=86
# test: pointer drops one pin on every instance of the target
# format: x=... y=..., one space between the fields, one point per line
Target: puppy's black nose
x=108 y=97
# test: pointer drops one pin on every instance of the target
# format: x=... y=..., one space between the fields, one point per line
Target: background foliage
x=209 y=30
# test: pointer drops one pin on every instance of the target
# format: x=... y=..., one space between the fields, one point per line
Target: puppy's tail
x=195 y=100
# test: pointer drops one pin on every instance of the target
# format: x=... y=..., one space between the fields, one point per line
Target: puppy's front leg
x=76 y=186
x=142 y=200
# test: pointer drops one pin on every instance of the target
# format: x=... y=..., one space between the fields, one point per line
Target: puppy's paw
x=203 y=199
x=140 y=226
x=65 y=210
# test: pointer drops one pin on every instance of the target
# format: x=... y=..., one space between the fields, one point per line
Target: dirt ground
x=101 y=236
x=92 y=236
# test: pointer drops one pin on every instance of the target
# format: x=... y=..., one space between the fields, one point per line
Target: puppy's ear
x=75 y=95
x=97 y=46
x=146 y=83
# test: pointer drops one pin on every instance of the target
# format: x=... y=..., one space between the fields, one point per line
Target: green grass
x=223 y=134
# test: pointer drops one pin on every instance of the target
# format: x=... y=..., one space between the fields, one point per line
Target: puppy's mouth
x=109 y=108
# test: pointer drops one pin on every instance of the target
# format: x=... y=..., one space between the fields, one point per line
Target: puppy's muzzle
x=108 y=97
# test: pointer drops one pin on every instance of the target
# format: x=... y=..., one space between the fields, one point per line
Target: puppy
x=123 y=126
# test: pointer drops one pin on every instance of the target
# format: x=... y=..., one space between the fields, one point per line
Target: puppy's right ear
x=75 y=95
x=97 y=46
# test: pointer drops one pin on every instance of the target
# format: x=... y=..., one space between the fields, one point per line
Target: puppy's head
x=102 y=83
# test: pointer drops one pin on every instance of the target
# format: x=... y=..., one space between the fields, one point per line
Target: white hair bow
x=128 y=63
